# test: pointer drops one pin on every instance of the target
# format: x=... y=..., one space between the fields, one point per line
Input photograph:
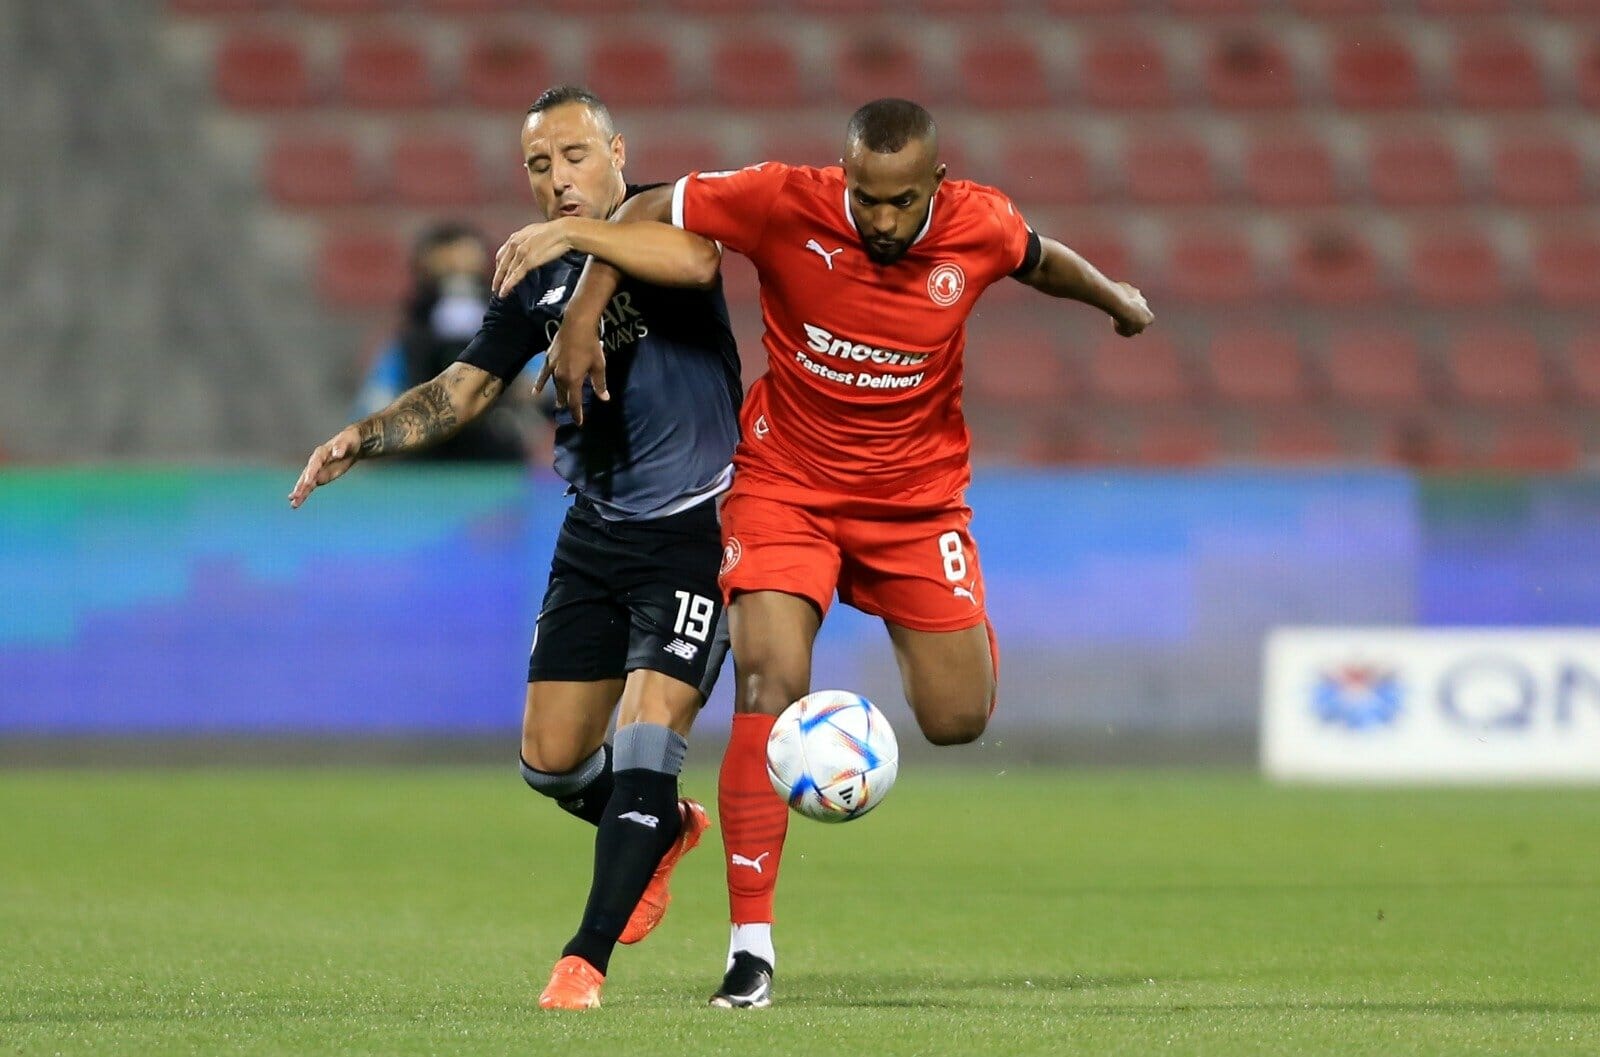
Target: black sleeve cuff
x=1030 y=256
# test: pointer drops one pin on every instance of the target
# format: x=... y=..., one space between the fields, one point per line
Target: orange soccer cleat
x=653 y=904
x=574 y=984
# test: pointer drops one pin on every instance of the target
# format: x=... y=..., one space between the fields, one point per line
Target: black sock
x=641 y=822
x=584 y=798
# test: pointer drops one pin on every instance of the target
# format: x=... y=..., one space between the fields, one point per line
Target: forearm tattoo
x=421 y=417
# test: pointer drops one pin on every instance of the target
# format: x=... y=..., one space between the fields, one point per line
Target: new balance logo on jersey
x=827 y=255
x=755 y=864
x=644 y=820
x=551 y=296
x=679 y=648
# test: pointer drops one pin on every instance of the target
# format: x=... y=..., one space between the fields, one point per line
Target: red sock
x=754 y=820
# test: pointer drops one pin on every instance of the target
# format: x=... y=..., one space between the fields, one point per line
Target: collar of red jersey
x=926 y=224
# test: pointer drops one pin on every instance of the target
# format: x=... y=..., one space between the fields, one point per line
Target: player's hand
x=328 y=463
x=1133 y=315
x=525 y=250
x=575 y=355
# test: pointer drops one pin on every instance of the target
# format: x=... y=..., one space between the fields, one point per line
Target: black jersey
x=666 y=436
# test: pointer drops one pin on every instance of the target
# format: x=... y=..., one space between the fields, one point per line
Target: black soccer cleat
x=748 y=984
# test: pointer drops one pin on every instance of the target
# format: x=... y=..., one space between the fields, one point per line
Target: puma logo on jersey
x=755 y=864
x=643 y=820
x=827 y=255
x=962 y=592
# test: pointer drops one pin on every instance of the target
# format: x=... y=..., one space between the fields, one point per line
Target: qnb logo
x=1357 y=696
x=823 y=341
x=1493 y=691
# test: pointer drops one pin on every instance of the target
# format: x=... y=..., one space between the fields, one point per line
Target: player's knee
x=766 y=691
x=956 y=726
x=552 y=755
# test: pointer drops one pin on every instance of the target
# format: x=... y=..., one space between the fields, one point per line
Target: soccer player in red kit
x=853 y=461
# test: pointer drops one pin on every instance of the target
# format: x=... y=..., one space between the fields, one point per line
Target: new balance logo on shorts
x=679 y=648
x=643 y=820
x=755 y=864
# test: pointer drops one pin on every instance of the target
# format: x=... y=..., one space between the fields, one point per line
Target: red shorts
x=918 y=570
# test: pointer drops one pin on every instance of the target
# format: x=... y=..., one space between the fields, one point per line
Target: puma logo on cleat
x=755 y=864
x=643 y=820
x=827 y=255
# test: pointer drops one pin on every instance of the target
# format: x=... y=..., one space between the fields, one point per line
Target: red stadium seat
x=1146 y=371
x=659 y=159
x=1256 y=367
x=1176 y=442
x=1456 y=268
x=362 y=270
x=1249 y=71
x=1426 y=443
x=1212 y=267
x=1415 y=169
x=880 y=65
x=596 y=8
x=1496 y=70
x=213 y=7
x=342 y=7
x=1334 y=267
x=1002 y=71
x=436 y=171
x=469 y=7
x=1449 y=8
x=1583 y=368
x=1537 y=445
x=1212 y=8
x=1072 y=8
x=755 y=71
x=817 y=148
x=1039 y=169
x=1126 y=71
x=634 y=71
x=386 y=70
x=315 y=171
x=258 y=71
x=1566 y=269
x=1374 y=71
x=1304 y=437
x=1294 y=170
x=1497 y=366
x=1019 y=368
x=1538 y=171
x=1173 y=169
x=1338 y=8
x=1375 y=368
x=1586 y=73
x=1104 y=248
x=502 y=73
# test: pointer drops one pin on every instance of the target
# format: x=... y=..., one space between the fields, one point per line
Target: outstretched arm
x=1062 y=273
x=419 y=418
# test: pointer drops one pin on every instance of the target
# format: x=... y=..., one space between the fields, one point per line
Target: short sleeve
x=506 y=341
x=729 y=207
x=1019 y=247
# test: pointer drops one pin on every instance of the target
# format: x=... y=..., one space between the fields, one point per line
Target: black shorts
x=625 y=595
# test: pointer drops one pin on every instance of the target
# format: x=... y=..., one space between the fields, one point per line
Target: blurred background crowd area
x=1370 y=228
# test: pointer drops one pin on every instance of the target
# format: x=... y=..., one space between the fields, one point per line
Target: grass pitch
x=1034 y=912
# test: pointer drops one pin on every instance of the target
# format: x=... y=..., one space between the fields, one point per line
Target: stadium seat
x=1532 y=170
x=755 y=71
x=1450 y=8
x=1291 y=170
x=1213 y=8
x=1455 y=268
x=1173 y=169
x=1104 y=248
x=468 y=7
x=1338 y=8
x=362 y=270
x=1167 y=441
x=1212 y=267
x=998 y=72
x=801 y=147
x=315 y=171
x=634 y=71
x=213 y=7
x=1146 y=371
x=662 y=158
x=1496 y=365
x=1586 y=73
x=1303 y=437
x=1256 y=367
x=1018 y=368
x=1249 y=71
x=1566 y=269
x=258 y=71
x=1495 y=70
x=1071 y=8
x=1375 y=368
x=1414 y=169
x=1045 y=169
x=1334 y=267
x=1425 y=442
x=1540 y=444
x=1374 y=71
x=1583 y=368
x=334 y=8
x=877 y=66
x=503 y=73
x=1126 y=71
x=386 y=70
x=434 y=171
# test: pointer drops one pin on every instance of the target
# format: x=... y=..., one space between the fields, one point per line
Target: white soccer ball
x=832 y=756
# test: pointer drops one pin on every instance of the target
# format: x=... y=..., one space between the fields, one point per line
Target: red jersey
x=862 y=393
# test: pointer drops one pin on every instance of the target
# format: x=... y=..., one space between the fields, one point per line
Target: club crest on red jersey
x=945 y=284
x=730 y=555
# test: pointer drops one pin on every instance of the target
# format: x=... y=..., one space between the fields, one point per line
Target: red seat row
x=1306 y=8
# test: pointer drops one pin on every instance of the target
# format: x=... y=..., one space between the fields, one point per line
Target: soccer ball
x=832 y=756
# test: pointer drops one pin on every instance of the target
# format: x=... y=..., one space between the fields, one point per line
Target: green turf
x=407 y=912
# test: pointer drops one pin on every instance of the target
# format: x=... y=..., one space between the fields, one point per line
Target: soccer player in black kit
x=632 y=616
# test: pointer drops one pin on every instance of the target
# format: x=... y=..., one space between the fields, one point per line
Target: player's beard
x=884 y=255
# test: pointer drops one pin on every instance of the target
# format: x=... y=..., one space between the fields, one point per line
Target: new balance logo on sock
x=643 y=820
x=755 y=864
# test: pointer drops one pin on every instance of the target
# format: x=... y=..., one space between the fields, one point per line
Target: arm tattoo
x=421 y=417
